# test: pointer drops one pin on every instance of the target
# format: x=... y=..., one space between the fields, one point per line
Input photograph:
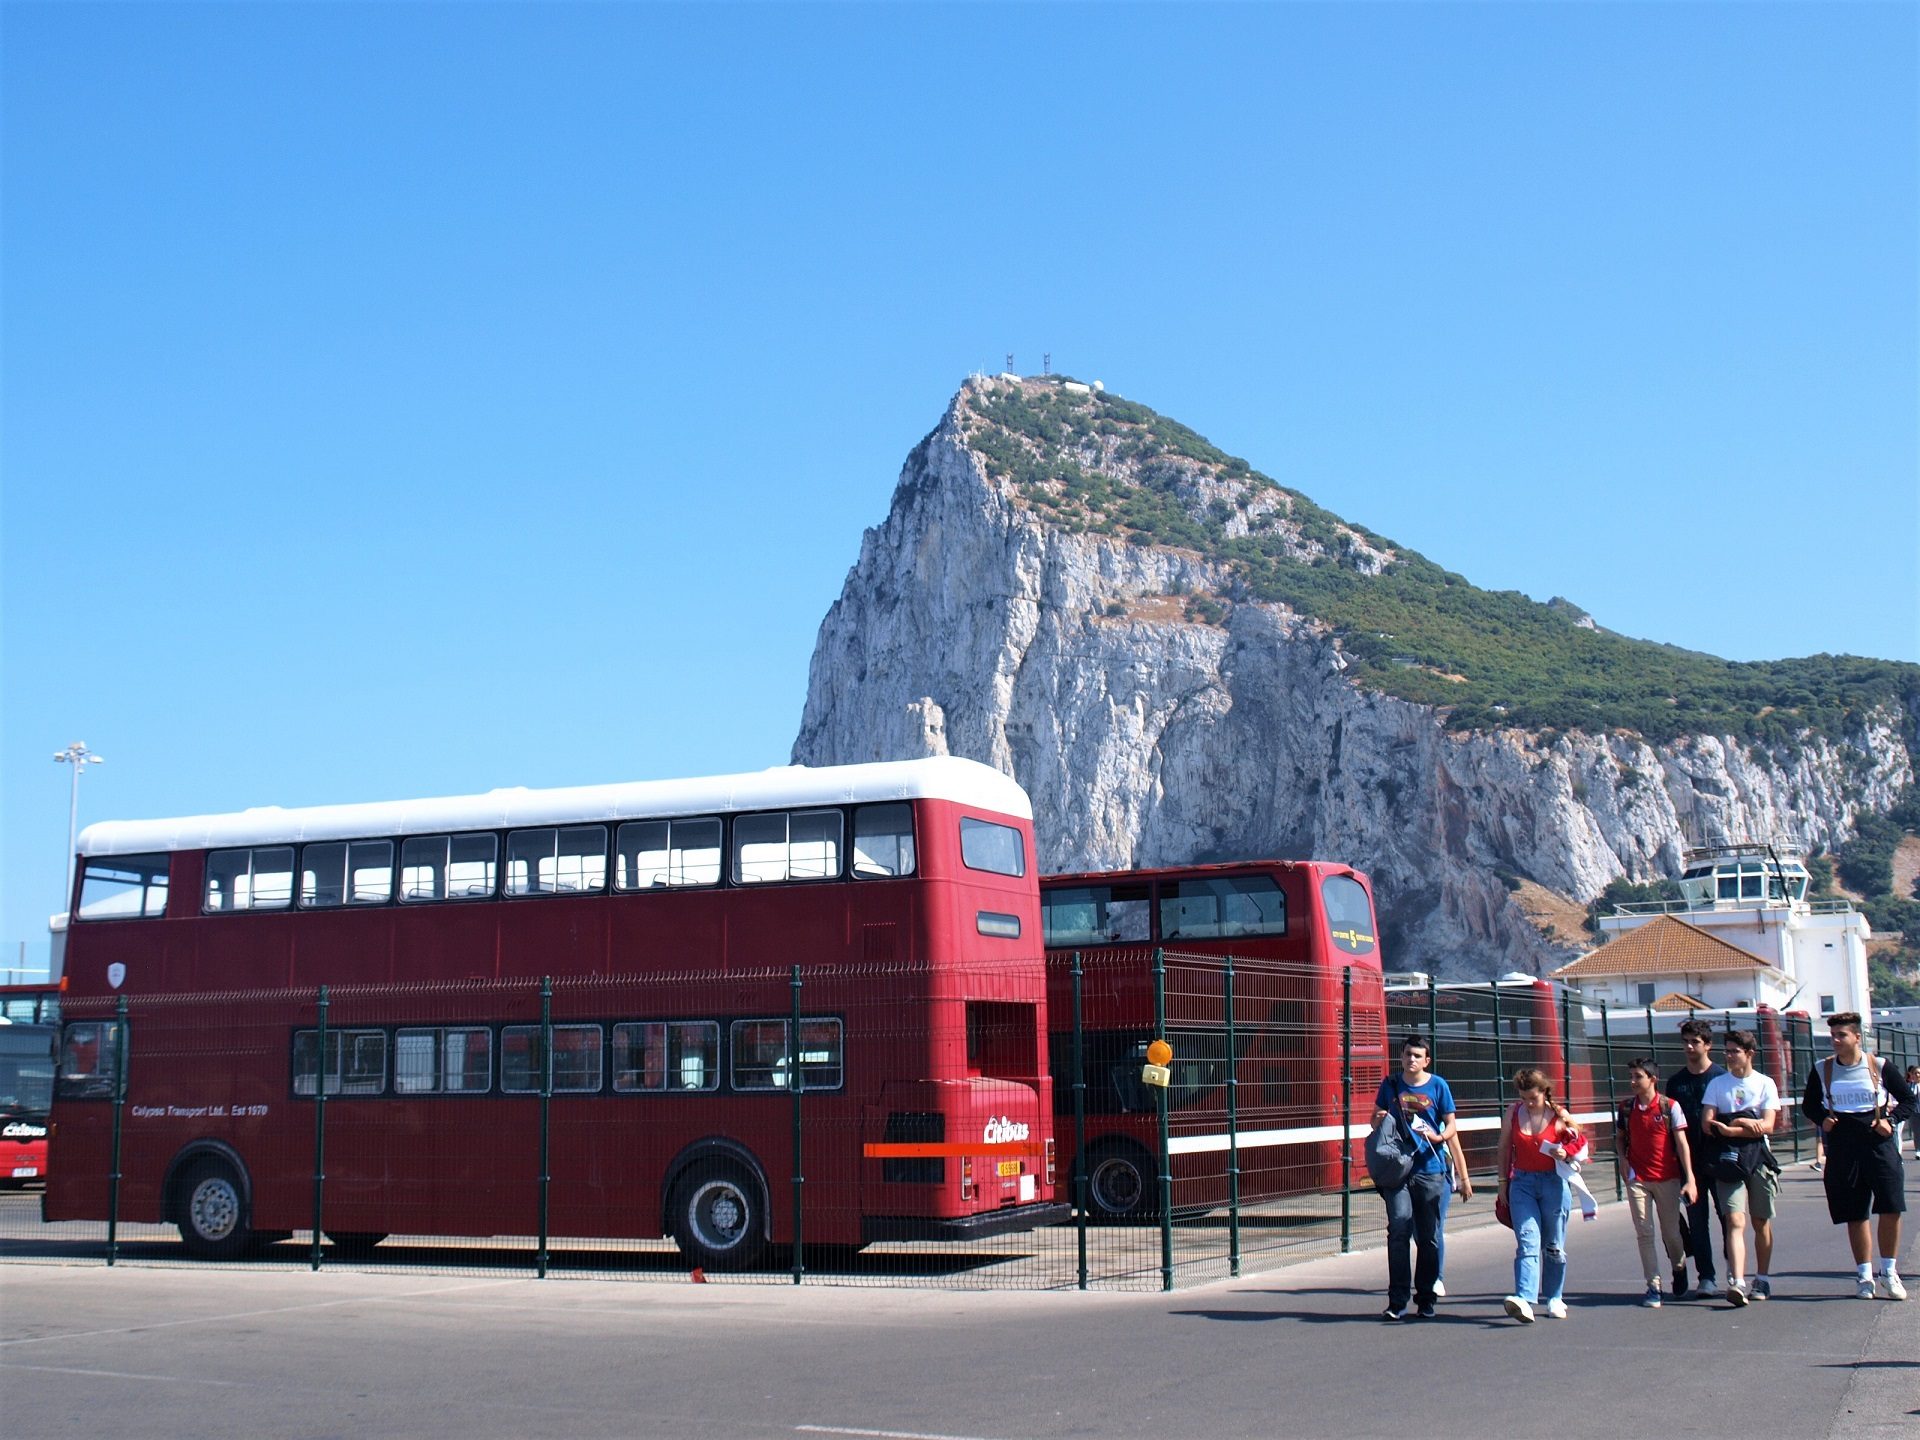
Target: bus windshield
x=26 y=1070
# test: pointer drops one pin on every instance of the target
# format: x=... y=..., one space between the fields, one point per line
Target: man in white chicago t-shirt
x=1738 y=1109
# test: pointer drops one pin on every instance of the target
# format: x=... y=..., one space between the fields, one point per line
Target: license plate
x=27 y=1172
x=1007 y=1167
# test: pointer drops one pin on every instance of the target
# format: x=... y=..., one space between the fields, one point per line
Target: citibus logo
x=1004 y=1129
x=20 y=1130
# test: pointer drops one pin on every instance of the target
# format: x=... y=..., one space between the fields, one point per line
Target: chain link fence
x=857 y=1125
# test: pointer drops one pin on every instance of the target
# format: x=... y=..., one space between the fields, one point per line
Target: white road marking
x=124 y=1375
x=879 y=1434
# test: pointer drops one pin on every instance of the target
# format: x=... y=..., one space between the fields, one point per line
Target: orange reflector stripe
x=888 y=1151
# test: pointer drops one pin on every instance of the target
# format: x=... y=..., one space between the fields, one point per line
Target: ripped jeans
x=1539 y=1200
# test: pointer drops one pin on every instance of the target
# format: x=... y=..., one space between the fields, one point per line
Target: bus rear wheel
x=212 y=1211
x=718 y=1219
x=1119 y=1182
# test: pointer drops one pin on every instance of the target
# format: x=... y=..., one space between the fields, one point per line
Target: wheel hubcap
x=719 y=1215
x=1116 y=1186
x=214 y=1209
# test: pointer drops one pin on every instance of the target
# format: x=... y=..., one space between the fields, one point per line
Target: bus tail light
x=966 y=1177
x=1049 y=1160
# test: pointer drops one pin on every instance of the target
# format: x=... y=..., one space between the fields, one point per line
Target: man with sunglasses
x=1688 y=1086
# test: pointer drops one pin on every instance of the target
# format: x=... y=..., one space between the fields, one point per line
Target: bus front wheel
x=1119 y=1182
x=718 y=1219
x=212 y=1211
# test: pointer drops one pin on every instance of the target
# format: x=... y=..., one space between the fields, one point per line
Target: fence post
x=1433 y=1027
x=1160 y=1106
x=1793 y=1049
x=1613 y=1098
x=1566 y=1044
x=119 y=1106
x=1346 y=1109
x=796 y=1083
x=1499 y=1057
x=320 y=1123
x=1233 y=1134
x=546 y=1118
x=1079 y=1123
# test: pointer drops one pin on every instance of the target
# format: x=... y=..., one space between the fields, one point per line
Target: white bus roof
x=946 y=777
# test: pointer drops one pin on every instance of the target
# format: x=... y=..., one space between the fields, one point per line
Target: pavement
x=87 y=1351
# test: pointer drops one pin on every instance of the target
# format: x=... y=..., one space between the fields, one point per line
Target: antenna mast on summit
x=1010 y=362
x=1046 y=362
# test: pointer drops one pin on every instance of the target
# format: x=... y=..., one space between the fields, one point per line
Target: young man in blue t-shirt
x=1414 y=1210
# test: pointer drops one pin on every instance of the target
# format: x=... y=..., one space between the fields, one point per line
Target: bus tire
x=212 y=1210
x=717 y=1216
x=355 y=1244
x=1120 y=1182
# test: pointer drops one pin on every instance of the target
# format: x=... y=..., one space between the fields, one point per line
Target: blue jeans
x=1413 y=1212
x=1539 y=1200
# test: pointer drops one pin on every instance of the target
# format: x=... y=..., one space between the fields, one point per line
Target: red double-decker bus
x=1293 y=928
x=670 y=916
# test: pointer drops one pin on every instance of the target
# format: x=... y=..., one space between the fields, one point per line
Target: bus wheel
x=355 y=1244
x=212 y=1211
x=1119 y=1182
x=717 y=1219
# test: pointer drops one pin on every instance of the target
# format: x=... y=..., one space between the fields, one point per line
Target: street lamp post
x=78 y=756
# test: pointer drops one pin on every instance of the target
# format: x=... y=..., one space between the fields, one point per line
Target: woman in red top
x=1531 y=1136
x=1650 y=1143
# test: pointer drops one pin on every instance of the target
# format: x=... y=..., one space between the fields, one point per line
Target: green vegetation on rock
x=1097 y=463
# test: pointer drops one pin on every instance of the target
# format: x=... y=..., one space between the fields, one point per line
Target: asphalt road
x=91 y=1352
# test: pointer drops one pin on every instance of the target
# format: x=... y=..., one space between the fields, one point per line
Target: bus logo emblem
x=1000 y=1131
x=116 y=972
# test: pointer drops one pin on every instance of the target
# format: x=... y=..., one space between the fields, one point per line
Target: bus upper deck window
x=1222 y=907
x=655 y=854
x=801 y=846
x=1349 y=914
x=996 y=848
x=557 y=861
x=883 y=840
x=334 y=872
x=447 y=867
x=123 y=887
x=256 y=879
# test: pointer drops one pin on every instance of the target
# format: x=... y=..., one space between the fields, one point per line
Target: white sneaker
x=1707 y=1289
x=1557 y=1309
x=1519 y=1309
x=1891 y=1287
x=1736 y=1294
x=1439 y=1289
x=1863 y=1290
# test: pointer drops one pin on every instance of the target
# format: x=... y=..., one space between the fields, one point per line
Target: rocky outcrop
x=1153 y=724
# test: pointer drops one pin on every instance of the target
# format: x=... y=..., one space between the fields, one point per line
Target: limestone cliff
x=1169 y=651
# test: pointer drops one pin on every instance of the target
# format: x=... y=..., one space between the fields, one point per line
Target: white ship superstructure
x=1754 y=897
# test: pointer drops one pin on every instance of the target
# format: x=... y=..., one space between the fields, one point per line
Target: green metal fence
x=392 y=1114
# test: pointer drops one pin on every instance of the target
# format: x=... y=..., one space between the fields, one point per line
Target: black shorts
x=1863 y=1175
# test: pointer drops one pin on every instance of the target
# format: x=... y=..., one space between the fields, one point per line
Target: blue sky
x=414 y=399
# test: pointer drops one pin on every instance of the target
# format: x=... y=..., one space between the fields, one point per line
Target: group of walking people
x=1697 y=1147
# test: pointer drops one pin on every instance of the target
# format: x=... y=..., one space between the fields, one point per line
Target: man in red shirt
x=1650 y=1144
